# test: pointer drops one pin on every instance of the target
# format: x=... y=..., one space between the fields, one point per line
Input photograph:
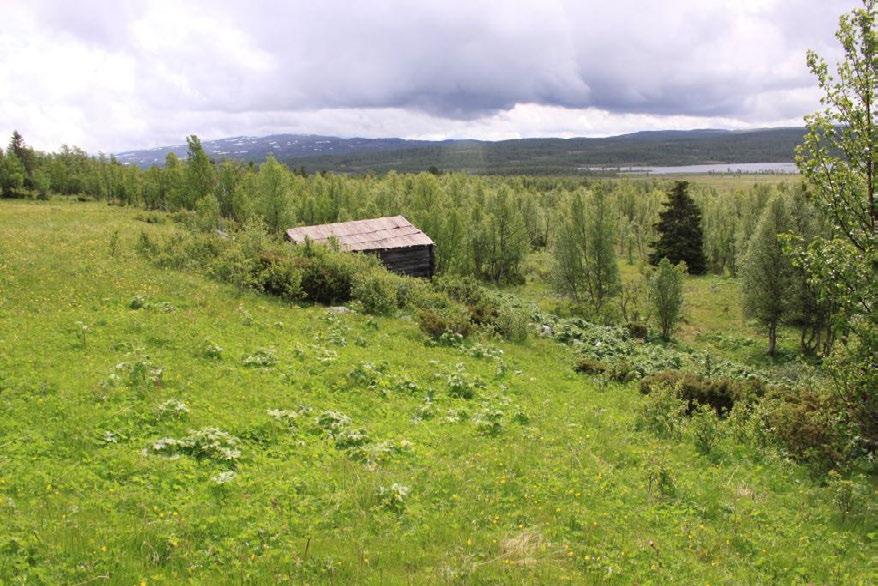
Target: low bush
x=662 y=412
x=812 y=426
x=705 y=429
x=279 y=274
x=617 y=370
x=491 y=310
x=469 y=292
x=587 y=365
x=719 y=393
x=328 y=276
x=511 y=323
x=377 y=291
x=438 y=321
x=637 y=330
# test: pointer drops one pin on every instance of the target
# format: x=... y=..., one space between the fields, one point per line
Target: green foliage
x=705 y=429
x=200 y=175
x=11 y=174
x=585 y=257
x=720 y=394
x=208 y=213
x=328 y=276
x=272 y=193
x=814 y=426
x=278 y=273
x=377 y=291
x=496 y=312
x=665 y=293
x=662 y=412
x=680 y=233
x=660 y=481
x=767 y=279
x=441 y=320
x=208 y=443
x=500 y=239
x=849 y=495
x=838 y=161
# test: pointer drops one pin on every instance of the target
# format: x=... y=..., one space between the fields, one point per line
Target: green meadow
x=157 y=427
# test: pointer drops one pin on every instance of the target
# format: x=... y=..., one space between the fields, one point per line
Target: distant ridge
x=528 y=155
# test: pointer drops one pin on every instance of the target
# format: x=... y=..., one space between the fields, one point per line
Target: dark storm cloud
x=154 y=69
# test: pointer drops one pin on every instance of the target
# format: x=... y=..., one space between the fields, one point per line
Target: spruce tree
x=680 y=235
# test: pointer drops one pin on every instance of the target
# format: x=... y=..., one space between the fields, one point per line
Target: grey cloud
x=223 y=63
x=468 y=59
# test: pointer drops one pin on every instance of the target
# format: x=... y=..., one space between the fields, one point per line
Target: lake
x=718 y=168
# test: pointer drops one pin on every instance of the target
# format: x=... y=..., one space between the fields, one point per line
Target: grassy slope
x=563 y=497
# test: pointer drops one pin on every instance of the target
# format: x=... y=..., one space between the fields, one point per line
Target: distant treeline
x=529 y=156
x=556 y=156
x=483 y=226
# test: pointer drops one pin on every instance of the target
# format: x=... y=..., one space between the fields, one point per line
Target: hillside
x=534 y=156
x=157 y=427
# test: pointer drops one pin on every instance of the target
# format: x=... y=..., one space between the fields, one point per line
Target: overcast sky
x=117 y=75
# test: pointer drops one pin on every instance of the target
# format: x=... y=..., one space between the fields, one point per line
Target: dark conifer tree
x=680 y=235
x=25 y=154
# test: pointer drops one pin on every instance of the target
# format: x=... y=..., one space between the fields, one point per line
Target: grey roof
x=374 y=234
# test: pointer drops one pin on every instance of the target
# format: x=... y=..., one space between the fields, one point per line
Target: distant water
x=719 y=168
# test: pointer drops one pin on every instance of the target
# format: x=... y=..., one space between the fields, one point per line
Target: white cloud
x=114 y=75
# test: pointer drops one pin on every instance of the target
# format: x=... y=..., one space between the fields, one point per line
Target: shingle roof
x=374 y=234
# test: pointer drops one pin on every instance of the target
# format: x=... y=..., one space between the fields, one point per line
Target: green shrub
x=279 y=274
x=662 y=412
x=719 y=393
x=328 y=276
x=490 y=310
x=468 y=291
x=377 y=291
x=637 y=330
x=511 y=323
x=705 y=429
x=812 y=425
x=617 y=370
x=847 y=495
x=587 y=365
x=450 y=320
x=660 y=481
x=408 y=290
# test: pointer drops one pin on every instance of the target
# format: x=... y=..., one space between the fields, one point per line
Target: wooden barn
x=401 y=246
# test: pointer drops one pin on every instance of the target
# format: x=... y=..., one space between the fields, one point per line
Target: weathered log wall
x=415 y=261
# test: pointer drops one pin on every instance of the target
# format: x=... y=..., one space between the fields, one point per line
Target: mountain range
x=528 y=155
